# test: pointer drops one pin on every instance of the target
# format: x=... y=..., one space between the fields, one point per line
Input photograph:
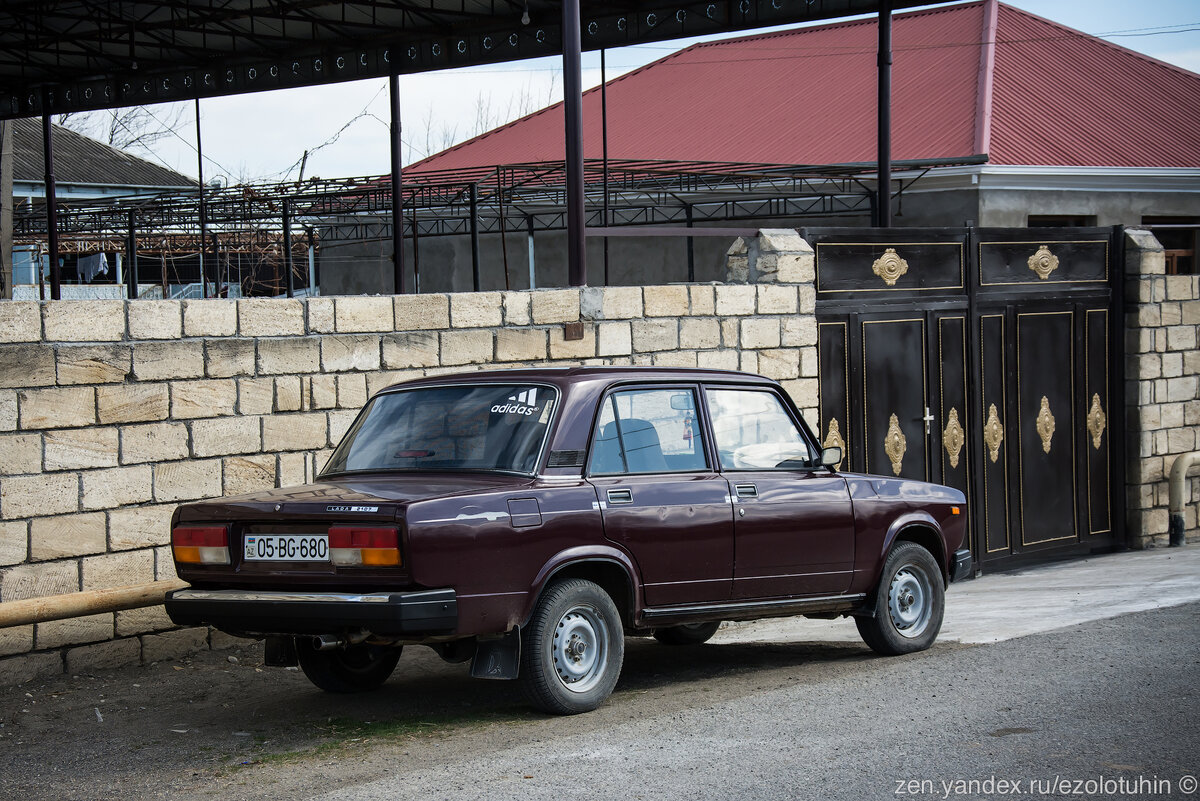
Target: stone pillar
x=783 y=266
x=1162 y=387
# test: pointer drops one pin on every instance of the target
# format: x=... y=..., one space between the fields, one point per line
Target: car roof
x=565 y=377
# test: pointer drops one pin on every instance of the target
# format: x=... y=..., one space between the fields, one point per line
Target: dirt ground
x=222 y=725
x=736 y=719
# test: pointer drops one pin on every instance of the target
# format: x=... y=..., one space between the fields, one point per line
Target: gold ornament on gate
x=894 y=444
x=890 y=266
x=1045 y=424
x=953 y=438
x=993 y=433
x=833 y=439
x=1096 y=421
x=1043 y=262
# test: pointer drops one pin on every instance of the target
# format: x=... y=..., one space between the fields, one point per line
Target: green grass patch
x=340 y=735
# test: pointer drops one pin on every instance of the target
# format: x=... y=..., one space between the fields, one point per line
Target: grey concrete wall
x=1011 y=208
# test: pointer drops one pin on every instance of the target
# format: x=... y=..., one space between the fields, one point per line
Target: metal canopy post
x=416 y=245
x=51 y=203
x=883 y=205
x=397 y=197
x=691 y=246
x=203 y=210
x=287 y=248
x=474 y=212
x=573 y=124
x=131 y=257
x=529 y=245
x=604 y=145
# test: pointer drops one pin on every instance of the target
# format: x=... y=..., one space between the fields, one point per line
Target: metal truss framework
x=512 y=198
x=60 y=56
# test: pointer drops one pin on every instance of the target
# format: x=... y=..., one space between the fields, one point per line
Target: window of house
x=1061 y=220
x=1179 y=244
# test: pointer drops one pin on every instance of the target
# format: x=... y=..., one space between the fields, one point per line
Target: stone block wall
x=1162 y=387
x=113 y=412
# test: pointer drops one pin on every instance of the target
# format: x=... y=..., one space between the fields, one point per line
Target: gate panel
x=953 y=418
x=991 y=439
x=1023 y=262
x=1046 y=427
x=894 y=398
x=1097 y=451
x=833 y=346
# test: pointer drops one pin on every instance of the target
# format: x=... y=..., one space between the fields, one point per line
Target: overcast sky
x=263 y=136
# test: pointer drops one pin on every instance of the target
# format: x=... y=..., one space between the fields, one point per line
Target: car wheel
x=687 y=634
x=356 y=669
x=909 y=603
x=572 y=649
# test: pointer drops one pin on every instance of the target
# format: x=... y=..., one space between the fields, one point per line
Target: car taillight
x=201 y=545
x=376 y=546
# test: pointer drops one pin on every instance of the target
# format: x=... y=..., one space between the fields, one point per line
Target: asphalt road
x=1115 y=698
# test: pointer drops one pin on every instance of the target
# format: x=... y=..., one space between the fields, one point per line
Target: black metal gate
x=985 y=359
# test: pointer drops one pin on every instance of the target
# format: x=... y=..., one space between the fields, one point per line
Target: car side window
x=754 y=431
x=648 y=431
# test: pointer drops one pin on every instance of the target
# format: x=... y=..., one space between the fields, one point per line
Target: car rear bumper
x=962 y=565
x=282 y=612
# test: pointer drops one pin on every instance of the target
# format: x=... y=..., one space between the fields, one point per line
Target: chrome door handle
x=620 y=496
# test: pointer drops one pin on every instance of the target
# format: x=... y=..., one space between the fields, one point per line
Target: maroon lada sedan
x=530 y=520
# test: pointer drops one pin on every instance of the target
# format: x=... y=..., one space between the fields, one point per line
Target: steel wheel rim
x=910 y=601
x=580 y=648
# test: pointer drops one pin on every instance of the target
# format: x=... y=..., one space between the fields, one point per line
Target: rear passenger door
x=793 y=521
x=661 y=496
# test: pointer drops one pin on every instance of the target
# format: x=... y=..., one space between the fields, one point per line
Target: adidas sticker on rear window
x=522 y=403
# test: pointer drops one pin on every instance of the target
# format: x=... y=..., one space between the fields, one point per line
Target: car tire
x=687 y=634
x=356 y=669
x=909 y=603
x=572 y=649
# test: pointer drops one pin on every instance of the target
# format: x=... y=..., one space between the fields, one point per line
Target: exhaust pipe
x=332 y=642
x=329 y=642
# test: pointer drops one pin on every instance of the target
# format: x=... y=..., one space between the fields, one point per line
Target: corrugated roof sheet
x=79 y=159
x=1062 y=97
x=807 y=96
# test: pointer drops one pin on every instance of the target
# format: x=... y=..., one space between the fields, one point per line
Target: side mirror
x=831 y=457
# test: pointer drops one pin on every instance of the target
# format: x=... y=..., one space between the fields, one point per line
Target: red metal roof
x=807 y=96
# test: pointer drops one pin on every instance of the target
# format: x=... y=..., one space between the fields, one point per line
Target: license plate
x=286 y=548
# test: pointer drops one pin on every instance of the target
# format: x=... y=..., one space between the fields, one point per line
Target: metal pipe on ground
x=1177 y=487
x=90 y=602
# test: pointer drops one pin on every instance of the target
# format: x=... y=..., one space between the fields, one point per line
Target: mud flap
x=280 y=652
x=498 y=659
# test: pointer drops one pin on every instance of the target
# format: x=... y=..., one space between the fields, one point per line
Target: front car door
x=661 y=496
x=793 y=520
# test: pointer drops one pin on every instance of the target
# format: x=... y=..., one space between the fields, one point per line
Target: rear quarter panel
x=471 y=545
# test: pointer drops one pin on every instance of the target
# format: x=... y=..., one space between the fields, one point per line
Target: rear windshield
x=462 y=427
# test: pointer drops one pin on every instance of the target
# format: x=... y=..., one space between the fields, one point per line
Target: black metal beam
x=200 y=192
x=883 y=203
x=397 y=188
x=51 y=208
x=573 y=112
x=84 y=51
x=287 y=248
x=131 y=257
x=474 y=227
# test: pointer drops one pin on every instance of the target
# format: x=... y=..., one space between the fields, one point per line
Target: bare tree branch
x=134 y=128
